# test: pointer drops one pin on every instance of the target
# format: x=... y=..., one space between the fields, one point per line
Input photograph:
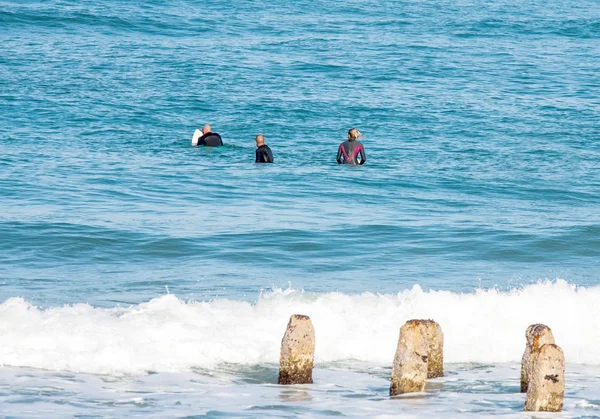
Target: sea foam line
x=168 y=334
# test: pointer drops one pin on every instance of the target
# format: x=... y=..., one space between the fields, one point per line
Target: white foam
x=584 y=404
x=168 y=334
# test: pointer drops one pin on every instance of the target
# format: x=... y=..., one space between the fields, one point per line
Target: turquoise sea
x=141 y=276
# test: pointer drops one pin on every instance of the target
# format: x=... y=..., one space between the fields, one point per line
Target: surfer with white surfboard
x=206 y=137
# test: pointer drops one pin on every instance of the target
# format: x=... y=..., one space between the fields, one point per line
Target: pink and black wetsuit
x=349 y=151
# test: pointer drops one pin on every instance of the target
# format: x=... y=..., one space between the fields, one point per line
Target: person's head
x=260 y=140
x=353 y=134
x=206 y=129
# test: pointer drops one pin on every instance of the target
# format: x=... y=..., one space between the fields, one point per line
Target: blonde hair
x=353 y=134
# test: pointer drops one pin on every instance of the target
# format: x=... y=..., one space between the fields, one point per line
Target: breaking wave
x=169 y=334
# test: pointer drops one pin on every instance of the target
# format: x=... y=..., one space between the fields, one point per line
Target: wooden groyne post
x=297 y=351
x=546 y=389
x=419 y=355
x=537 y=335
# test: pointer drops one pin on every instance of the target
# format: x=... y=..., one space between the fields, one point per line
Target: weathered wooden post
x=546 y=389
x=297 y=351
x=537 y=335
x=409 y=371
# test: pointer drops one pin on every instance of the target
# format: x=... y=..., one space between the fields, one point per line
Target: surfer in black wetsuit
x=209 y=138
x=349 y=150
x=263 y=152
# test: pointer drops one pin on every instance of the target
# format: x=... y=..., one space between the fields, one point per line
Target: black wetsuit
x=211 y=139
x=264 y=154
x=348 y=153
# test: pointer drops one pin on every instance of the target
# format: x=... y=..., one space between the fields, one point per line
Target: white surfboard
x=196 y=136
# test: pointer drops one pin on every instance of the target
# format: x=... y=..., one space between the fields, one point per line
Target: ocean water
x=144 y=277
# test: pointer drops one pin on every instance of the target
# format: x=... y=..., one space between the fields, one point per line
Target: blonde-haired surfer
x=351 y=149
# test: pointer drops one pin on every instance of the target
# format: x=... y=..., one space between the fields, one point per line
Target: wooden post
x=546 y=390
x=409 y=371
x=537 y=335
x=297 y=351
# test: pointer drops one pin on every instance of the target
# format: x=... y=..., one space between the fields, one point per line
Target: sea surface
x=144 y=277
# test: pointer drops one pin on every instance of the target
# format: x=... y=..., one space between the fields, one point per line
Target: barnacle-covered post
x=297 y=351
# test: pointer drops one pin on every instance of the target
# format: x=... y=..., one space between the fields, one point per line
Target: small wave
x=128 y=19
x=168 y=334
x=585 y=404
